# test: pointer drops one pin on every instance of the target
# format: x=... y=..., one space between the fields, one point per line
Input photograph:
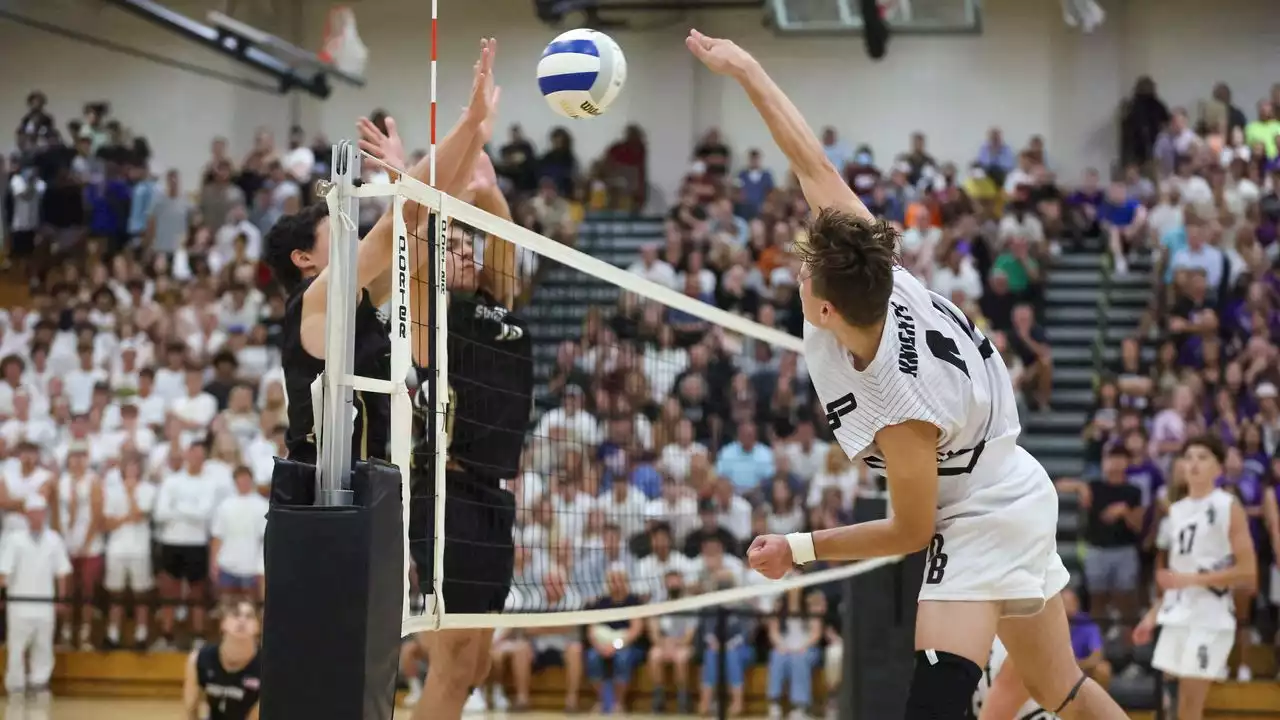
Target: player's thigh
x=1040 y=646
x=960 y=628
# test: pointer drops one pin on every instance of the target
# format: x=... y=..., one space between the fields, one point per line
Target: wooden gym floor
x=121 y=709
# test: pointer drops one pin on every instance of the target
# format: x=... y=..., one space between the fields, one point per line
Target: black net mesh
x=583 y=422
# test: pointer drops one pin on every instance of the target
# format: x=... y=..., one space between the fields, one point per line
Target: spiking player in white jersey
x=911 y=387
x=1209 y=554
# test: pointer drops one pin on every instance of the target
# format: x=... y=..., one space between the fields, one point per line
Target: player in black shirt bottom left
x=225 y=675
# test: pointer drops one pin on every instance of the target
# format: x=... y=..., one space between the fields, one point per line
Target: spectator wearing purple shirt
x=1083 y=204
x=1250 y=443
x=1086 y=640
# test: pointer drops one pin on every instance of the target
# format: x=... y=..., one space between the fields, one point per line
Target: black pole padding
x=334 y=595
x=874 y=29
x=850 y=688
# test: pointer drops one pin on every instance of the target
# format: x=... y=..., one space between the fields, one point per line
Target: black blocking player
x=298 y=251
x=225 y=675
x=490 y=358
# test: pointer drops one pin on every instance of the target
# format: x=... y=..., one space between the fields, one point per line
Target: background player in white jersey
x=910 y=386
x=1209 y=554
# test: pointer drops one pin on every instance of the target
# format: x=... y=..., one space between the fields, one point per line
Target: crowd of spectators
x=141 y=397
x=1204 y=358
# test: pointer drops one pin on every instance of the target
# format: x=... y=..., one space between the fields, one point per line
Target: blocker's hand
x=386 y=147
x=483 y=105
x=770 y=555
x=719 y=55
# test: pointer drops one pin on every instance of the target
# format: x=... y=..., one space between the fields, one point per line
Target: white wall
x=1028 y=73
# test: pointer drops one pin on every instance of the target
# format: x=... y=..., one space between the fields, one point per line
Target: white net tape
x=621 y=512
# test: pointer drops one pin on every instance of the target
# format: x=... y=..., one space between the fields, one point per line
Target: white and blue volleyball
x=581 y=73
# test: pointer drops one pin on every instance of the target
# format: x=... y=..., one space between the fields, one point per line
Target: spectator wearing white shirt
x=240 y=418
x=37 y=374
x=623 y=506
x=786 y=509
x=22 y=480
x=580 y=426
x=261 y=453
x=224 y=239
x=128 y=436
x=677 y=456
x=34 y=568
x=677 y=506
x=956 y=272
x=127 y=503
x=838 y=472
x=24 y=426
x=170 y=380
x=237 y=311
x=239 y=525
x=125 y=368
x=184 y=509
x=733 y=511
x=672 y=638
x=652 y=268
x=663 y=364
x=79 y=522
x=153 y=408
x=208 y=339
x=196 y=409
x=78 y=434
x=662 y=559
x=804 y=451
x=11 y=382
x=79 y=383
x=27 y=190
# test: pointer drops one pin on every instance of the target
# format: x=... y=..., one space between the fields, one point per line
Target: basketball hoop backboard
x=838 y=17
x=296 y=57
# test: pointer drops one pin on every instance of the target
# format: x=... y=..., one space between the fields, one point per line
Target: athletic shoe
x=476 y=703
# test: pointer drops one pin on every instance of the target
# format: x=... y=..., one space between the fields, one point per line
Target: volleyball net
x=654 y=435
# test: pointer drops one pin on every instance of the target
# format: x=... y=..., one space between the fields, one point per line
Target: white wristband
x=802 y=551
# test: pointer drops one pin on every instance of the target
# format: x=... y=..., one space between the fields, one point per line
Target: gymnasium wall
x=1028 y=73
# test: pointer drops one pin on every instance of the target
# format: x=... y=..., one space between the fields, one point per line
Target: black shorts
x=185 y=562
x=548 y=657
x=479 y=551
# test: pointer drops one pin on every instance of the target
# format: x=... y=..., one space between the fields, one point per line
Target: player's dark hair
x=1209 y=442
x=850 y=262
x=290 y=233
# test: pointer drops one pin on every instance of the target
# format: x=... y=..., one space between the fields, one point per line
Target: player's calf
x=454 y=659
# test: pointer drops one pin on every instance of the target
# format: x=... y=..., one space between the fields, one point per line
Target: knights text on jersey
x=1197 y=534
x=932 y=365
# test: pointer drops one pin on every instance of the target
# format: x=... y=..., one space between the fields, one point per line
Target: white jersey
x=932 y=365
x=1198 y=539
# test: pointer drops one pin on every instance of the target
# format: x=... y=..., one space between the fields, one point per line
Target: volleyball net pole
x=335 y=594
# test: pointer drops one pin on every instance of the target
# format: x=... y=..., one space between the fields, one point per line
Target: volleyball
x=581 y=73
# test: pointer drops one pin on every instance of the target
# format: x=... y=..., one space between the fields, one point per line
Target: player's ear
x=301 y=259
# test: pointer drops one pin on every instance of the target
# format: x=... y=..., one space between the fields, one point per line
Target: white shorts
x=999 y=542
x=1188 y=652
x=133 y=572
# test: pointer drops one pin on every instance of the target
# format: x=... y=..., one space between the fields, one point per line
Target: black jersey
x=490 y=390
x=231 y=695
x=372 y=359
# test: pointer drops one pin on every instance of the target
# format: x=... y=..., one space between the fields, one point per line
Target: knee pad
x=942 y=686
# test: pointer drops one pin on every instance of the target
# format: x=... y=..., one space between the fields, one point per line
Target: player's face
x=241 y=622
x=1200 y=466
x=460 y=266
x=316 y=259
